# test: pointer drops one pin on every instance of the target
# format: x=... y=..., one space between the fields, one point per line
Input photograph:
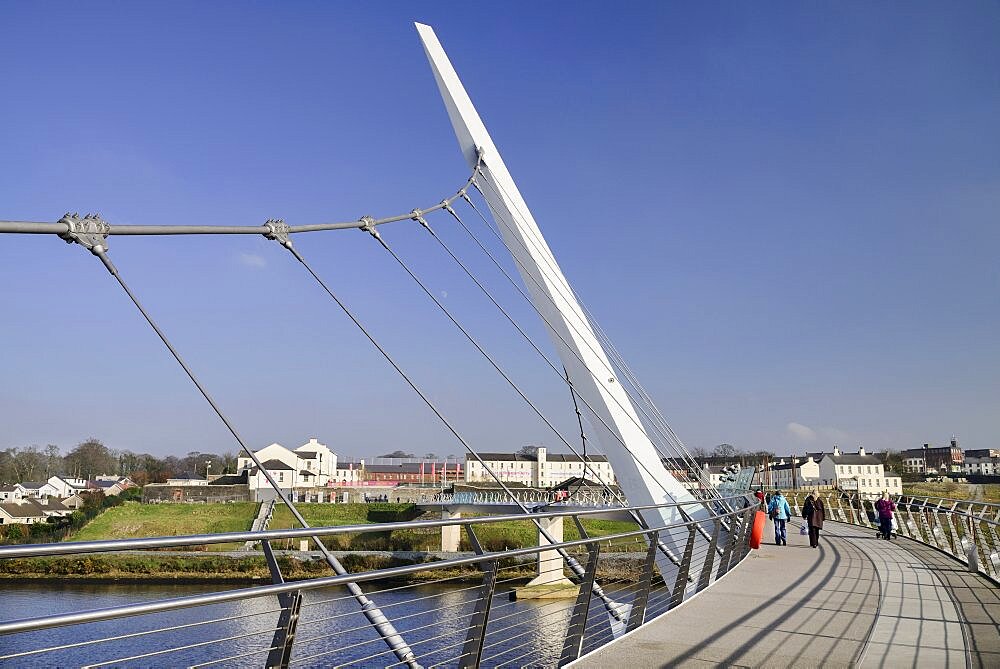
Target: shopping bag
x=803 y=530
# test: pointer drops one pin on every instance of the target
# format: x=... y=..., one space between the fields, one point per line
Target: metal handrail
x=701 y=565
x=31 y=624
x=112 y=545
x=965 y=534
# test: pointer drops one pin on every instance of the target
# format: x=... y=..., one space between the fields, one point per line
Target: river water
x=433 y=619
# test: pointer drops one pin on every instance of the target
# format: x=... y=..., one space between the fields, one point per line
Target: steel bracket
x=573 y=644
x=277 y=230
x=90 y=232
x=288 y=619
x=638 y=613
x=680 y=585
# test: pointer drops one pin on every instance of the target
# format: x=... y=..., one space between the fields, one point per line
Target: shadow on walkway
x=856 y=601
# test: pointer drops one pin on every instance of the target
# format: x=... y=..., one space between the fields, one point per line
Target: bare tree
x=53 y=460
x=91 y=458
x=725 y=451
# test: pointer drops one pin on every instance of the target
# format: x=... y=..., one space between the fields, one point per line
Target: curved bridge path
x=857 y=601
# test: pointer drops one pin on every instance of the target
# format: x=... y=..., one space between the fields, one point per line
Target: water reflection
x=434 y=620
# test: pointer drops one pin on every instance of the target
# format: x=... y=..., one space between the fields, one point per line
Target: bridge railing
x=594 y=498
x=456 y=611
x=968 y=530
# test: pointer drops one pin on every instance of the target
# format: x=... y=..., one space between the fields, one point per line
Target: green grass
x=133 y=520
x=990 y=491
x=336 y=515
x=510 y=534
x=492 y=536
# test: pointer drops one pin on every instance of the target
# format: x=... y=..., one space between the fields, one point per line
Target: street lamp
x=208 y=466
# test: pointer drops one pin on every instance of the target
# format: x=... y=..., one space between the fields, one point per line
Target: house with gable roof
x=12 y=493
x=311 y=465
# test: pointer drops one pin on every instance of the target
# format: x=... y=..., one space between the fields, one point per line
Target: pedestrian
x=780 y=512
x=760 y=497
x=814 y=513
x=885 y=507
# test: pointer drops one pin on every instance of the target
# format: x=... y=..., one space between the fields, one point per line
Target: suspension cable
x=420 y=219
x=374 y=615
x=510 y=279
x=683 y=453
x=614 y=608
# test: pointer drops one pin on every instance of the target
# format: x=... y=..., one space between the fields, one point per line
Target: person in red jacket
x=885 y=507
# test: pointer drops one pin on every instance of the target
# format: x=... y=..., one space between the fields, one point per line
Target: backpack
x=773 y=513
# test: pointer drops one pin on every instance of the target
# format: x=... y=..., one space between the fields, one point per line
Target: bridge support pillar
x=550 y=563
x=451 y=535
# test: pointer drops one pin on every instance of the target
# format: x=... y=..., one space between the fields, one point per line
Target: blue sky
x=784 y=215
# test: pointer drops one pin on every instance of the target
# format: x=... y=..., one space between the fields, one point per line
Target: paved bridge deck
x=855 y=601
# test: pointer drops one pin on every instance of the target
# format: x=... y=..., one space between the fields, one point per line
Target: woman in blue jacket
x=780 y=512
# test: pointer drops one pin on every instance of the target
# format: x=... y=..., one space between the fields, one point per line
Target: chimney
x=836 y=449
x=861 y=450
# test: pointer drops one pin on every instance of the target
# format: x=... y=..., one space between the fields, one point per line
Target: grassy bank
x=133 y=520
x=206 y=567
x=493 y=536
x=988 y=492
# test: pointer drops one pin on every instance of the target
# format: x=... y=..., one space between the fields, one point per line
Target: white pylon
x=638 y=469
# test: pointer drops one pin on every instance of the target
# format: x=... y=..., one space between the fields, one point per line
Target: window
x=281 y=476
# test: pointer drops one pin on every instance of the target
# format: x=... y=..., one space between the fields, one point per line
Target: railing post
x=288 y=619
x=638 y=614
x=750 y=515
x=840 y=507
x=472 y=649
x=680 y=584
x=730 y=542
x=706 y=570
x=573 y=645
x=937 y=535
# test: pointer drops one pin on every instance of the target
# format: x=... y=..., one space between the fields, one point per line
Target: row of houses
x=30 y=510
x=853 y=472
x=63 y=486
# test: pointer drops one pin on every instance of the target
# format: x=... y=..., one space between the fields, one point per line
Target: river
x=432 y=618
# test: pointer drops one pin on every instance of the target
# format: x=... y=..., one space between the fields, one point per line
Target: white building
x=541 y=470
x=112 y=486
x=187 y=479
x=12 y=493
x=40 y=489
x=349 y=473
x=22 y=512
x=985 y=462
x=851 y=472
x=795 y=473
x=858 y=472
x=311 y=465
x=66 y=485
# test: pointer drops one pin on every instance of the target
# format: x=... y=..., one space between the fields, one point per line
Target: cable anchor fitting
x=418 y=216
x=447 y=207
x=91 y=232
x=277 y=230
x=368 y=225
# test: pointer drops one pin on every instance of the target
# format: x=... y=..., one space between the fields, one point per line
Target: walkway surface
x=855 y=601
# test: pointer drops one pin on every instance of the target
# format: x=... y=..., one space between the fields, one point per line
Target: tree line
x=91 y=458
